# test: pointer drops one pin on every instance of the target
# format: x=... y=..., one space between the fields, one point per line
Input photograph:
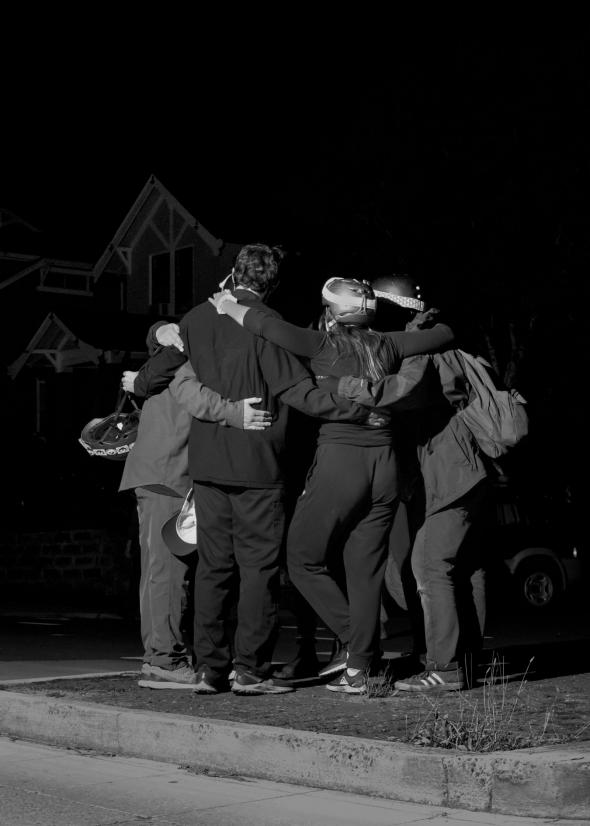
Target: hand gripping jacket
x=114 y=436
x=399 y=289
x=350 y=300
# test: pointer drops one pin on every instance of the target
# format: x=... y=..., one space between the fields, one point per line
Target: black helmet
x=399 y=289
x=350 y=300
x=114 y=436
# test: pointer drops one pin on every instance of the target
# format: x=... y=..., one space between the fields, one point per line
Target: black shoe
x=433 y=680
x=304 y=666
x=205 y=683
x=247 y=683
x=337 y=663
x=348 y=684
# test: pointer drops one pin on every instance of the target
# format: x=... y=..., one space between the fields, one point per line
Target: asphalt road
x=37 y=641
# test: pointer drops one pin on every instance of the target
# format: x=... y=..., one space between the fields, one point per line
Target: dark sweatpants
x=240 y=531
x=347 y=507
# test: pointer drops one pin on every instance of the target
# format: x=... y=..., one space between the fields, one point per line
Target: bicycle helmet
x=113 y=436
x=351 y=301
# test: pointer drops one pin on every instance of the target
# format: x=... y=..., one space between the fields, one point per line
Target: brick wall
x=87 y=566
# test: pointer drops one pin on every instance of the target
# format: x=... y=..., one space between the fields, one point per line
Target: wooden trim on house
x=57 y=356
x=153 y=184
x=47 y=266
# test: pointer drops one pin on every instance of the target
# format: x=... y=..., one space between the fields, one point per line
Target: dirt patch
x=522 y=713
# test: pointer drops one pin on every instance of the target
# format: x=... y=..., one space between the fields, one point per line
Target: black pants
x=347 y=507
x=239 y=531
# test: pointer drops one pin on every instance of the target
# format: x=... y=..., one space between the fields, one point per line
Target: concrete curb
x=544 y=782
x=26 y=680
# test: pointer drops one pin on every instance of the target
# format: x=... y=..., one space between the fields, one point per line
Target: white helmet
x=399 y=289
x=350 y=300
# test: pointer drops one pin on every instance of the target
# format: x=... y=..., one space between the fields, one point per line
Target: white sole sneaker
x=166 y=684
x=342 y=686
x=265 y=687
x=430 y=681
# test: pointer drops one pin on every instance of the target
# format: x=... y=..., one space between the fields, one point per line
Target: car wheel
x=539 y=584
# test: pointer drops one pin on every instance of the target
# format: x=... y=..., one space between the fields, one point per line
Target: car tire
x=539 y=584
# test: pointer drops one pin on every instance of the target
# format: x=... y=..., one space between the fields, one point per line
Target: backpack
x=497 y=418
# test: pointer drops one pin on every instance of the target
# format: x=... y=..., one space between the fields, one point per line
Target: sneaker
x=246 y=683
x=433 y=681
x=204 y=682
x=304 y=666
x=182 y=675
x=146 y=669
x=348 y=684
x=337 y=663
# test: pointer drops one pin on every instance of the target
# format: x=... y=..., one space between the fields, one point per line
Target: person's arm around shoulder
x=207 y=405
x=422 y=341
x=157 y=372
x=163 y=334
x=301 y=341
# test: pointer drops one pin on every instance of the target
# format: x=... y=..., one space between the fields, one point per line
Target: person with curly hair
x=239 y=483
x=351 y=491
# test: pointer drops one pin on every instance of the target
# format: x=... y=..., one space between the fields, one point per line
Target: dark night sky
x=464 y=162
x=439 y=160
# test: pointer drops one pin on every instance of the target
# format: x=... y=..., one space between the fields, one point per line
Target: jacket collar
x=247 y=296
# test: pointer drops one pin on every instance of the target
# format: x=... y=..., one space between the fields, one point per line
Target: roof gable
x=148 y=202
x=54 y=342
x=8 y=218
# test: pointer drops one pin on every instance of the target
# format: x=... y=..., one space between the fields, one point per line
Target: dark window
x=183 y=265
x=160 y=278
x=65 y=281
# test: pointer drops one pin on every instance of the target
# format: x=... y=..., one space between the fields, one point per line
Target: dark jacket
x=428 y=391
x=238 y=365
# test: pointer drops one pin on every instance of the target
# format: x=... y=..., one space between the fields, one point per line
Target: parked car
x=535 y=536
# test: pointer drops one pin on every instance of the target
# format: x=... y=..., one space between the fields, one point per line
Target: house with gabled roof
x=70 y=326
x=162 y=256
x=54 y=343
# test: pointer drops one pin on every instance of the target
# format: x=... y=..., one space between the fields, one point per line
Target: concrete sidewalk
x=57 y=787
x=541 y=782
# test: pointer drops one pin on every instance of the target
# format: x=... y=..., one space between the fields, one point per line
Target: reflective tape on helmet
x=120 y=450
x=402 y=300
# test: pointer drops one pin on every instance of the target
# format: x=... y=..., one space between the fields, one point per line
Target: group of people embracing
x=381 y=375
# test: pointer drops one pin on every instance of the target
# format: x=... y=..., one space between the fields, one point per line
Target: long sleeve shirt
x=326 y=359
x=159 y=458
x=238 y=365
x=449 y=457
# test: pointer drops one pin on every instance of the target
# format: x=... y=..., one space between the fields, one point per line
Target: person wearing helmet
x=351 y=490
x=399 y=290
x=446 y=565
x=239 y=482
